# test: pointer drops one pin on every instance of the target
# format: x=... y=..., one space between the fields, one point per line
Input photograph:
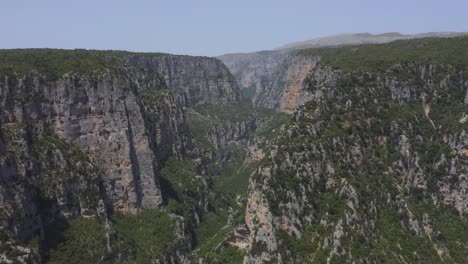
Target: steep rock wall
x=198 y=79
x=273 y=79
x=89 y=142
x=103 y=116
x=366 y=155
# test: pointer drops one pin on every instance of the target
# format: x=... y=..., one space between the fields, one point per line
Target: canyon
x=343 y=154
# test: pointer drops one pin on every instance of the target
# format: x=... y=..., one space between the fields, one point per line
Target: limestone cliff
x=369 y=167
x=343 y=155
x=89 y=132
x=198 y=79
x=272 y=79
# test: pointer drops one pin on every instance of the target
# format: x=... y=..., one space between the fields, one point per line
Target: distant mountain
x=363 y=38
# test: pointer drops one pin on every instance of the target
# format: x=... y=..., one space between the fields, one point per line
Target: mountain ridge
x=350 y=154
x=363 y=38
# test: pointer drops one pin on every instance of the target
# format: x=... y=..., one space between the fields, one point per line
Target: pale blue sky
x=210 y=27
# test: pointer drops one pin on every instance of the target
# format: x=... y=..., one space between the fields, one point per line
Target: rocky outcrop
x=294 y=94
x=368 y=164
x=198 y=79
x=96 y=140
x=364 y=156
x=42 y=179
x=102 y=115
x=272 y=79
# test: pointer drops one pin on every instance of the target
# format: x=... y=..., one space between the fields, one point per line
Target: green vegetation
x=183 y=187
x=226 y=255
x=378 y=58
x=206 y=117
x=53 y=63
x=181 y=174
x=250 y=91
x=236 y=112
x=359 y=140
x=144 y=237
x=258 y=247
x=57 y=165
x=357 y=132
x=200 y=127
x=9 y=246
x=84 y=241
x=233 y=178
x=394 y=238
x=303 y=250
x=229 y=179
x=150 y=232
x=271 y=128
x=212 y=231
x=450 y=229
x=230 y=183
x=447 y=113
x=152 y=97
x=46 y=151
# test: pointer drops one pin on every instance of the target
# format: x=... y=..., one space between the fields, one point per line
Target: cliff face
x=155 y=158
x=370 y=167
x=104 y=115
x=80 y=143
x=373 y=164
x=198 y=79
x=41 y=178
x=272 y=79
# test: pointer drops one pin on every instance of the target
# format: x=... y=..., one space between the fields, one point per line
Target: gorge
x=329 y=154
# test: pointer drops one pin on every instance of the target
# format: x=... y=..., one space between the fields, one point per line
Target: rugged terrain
x=352 y=154
x=273 y=79
x=372 y=167
x=86 y=135
x=364 y=38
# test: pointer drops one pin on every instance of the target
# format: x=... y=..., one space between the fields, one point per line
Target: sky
x=210 y=27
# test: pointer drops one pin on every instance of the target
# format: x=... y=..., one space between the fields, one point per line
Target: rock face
x=104 y=115
x=361 y=156
x=294 y=94
x=365 y=162
x=272 y=79
x=86 y=141
x=198 y=79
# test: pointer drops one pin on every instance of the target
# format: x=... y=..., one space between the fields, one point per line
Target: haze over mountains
x=363 y=38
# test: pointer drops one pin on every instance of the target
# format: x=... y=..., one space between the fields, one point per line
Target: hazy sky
x=213 y=27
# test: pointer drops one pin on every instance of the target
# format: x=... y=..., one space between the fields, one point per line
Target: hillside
x=104 y=141
x=350 y=154
x=372 y=169
x=274 y=79
x=363 y=38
